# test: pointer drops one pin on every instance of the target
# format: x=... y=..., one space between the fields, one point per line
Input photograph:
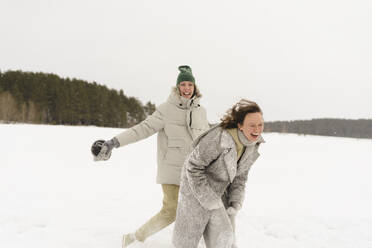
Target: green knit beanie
x=185 y=74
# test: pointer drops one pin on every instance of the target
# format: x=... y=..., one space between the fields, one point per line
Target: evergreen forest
x=43 y=98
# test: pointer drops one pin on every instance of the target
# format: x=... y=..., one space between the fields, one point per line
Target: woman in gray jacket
x=214 y=177
x=178 y=122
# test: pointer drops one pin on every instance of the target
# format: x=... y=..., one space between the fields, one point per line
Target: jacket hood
x=197 y=92
x=182 y=102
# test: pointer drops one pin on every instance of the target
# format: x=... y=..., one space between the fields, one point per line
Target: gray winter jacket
x=178 y=122
x=210 y=171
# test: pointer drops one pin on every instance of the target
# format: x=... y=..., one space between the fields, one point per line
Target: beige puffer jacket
x=178 y=122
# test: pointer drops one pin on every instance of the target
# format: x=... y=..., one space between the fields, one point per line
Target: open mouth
x=255 y=136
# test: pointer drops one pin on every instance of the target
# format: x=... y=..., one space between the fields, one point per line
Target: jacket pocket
x=176 y=143
x=175 y=151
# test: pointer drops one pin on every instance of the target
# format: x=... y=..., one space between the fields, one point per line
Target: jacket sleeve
x=207 y=151
x=236 y=190
x=151 y=125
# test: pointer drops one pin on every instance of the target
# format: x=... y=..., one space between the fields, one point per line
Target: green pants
x=165 y=217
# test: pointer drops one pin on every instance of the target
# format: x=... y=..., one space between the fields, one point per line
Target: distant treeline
x=361 y=128
x=49 y=99
x=41 y=98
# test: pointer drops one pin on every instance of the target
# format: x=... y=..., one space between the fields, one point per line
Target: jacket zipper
x=190 y=118
x=192 y=101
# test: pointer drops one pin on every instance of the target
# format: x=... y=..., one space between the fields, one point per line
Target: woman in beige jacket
x=178 y=122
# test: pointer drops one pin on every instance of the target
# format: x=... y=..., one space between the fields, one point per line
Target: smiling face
x=186 y=89
x=252 y=126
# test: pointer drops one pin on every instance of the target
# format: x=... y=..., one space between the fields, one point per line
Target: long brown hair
x=237 y=113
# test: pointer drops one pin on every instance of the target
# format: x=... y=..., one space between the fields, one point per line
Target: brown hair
x=237 y=113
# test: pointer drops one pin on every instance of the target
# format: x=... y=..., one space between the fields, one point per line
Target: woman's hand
x=105 y=152
x=234 y=208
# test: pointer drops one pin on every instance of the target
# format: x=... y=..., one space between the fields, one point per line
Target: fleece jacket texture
x=211 y=171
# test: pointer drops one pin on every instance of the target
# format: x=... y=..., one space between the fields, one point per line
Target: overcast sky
x=297 y=59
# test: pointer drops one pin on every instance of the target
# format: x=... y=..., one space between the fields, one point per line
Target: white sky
x=297 y=59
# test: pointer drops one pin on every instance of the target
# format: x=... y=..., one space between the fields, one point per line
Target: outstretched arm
x=151 y=125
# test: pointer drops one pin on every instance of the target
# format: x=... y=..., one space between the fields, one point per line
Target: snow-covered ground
x=303 y=192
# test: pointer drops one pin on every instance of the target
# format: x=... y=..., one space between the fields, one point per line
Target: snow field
x=304 y=191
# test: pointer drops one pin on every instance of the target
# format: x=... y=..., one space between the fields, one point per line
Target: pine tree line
x=42 y=98
x=361 y=128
